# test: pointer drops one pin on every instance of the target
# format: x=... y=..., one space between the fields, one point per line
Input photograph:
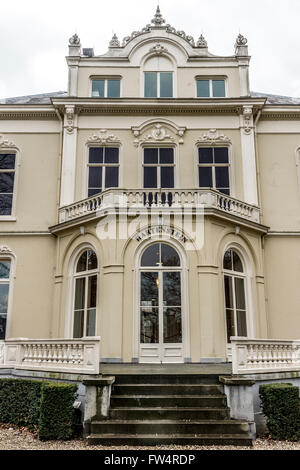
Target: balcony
x=166 y=200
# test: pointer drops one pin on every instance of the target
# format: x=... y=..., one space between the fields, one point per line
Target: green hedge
x=280 y=404
x=38 y=405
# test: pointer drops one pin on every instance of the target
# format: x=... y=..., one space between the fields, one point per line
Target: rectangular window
x=158 y=85
x=103 y=169
x=209 y=88
x=106 y=88
x=159 y=168
x=7 y=179
x=213 y=168
x=5 y=266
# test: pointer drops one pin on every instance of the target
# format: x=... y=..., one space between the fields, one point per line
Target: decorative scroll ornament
x=181 y=34
x=158 y=49
x=213 y=137
x=158 y=134
x=202 y=43
x=4 y=250
x=7 y=144
x=103 y=138
x=70 y=119
x=114 y=42
x=247 y=117
x=158 y=19
x=241 y=40
x=74 y=40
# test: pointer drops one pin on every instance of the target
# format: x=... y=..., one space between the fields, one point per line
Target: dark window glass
x=228 y=292
x=149 y=289
x=167 y=177
x=92 y=262
x=218 y=88
x=5 y=204
x=98 y=88
x=203 y=88
x=4 y=269
x=111 y=155
x=91 y=322
x=241 y=323
x=230 y=324
x=79 y=293
x=169 y=256
x=240 y=293
x=150 y=177
x=96 y=155
x=150 y=85
x=237 y=263
x=2 y=326
x=113 y=88
x=92 y=292
x=222 y=177
x=172 y=289
x=227 y=262
x=205 y=155
x=172 y=325
x=205 y=177
x=150 y=155
x=95 y=177
x=151 y=256
x=166 y=155
x=7 y=161
x=7 y=182
x=78 y=324
x=166 y=84
x=221 y=155
x=93 y=191
x=111 y=177
x=82 y=263
x=149 y=325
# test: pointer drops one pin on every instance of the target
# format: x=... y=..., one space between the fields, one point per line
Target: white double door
x=160 y=316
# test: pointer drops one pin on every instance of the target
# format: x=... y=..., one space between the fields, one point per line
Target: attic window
x=158 y=84
x=209 y=88
x=106 y=88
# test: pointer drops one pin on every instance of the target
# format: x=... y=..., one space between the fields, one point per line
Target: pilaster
x=248 y=156
x=69 y=156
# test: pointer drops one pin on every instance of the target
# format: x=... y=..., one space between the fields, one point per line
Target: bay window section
x=103 y=169
x=7 y=180
x=213 y=168
x=158 y=85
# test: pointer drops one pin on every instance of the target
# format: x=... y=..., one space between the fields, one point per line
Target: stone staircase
x=168 y=409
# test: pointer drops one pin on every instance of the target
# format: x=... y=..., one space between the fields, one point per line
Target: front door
x=161 y=333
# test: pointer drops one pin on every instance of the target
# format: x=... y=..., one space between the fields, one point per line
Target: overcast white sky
x=34 y=36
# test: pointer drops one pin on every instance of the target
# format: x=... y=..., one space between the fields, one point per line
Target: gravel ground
x=13 y=438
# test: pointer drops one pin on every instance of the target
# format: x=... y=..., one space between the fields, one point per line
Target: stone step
x=170 y=439
x=167 y=389
x=162 y=401
x=169 y=413
x=178 y=378
x=158 y=427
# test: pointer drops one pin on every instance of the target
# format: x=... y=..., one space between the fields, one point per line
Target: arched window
x=5 y=275
x=235 y=295
x=85 y=299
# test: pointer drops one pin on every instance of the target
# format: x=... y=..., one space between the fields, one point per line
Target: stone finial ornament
x=114 y=42
x=201 y=42
x=241 y=40
x=158 y=20
x=74 y=40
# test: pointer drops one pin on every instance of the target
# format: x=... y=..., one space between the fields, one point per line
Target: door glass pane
x=111 y=177
x=222 y=177
x=237 y=263
x=205 y=155
x=228 y=292
x=79 y=293
x=96 y=155
x=169 y=256
x=150 y=177
x=92 y=260
x=4 y=269
x=172 y=289
x=78 y=324
x=167 y=177
x=166 y=84
x=111 y=155
x=95 y=177
x=203 y=88
x=98 y=89
x=150 y=155
x=166 y=155
x=4 y=289
x=151 y=256
x=205 y=177
x=149 y=325
x=6 y=204
x=240 y=293
x=7 y=182
x=172 y=325
x=149 y=289
x=227 y=262
x=221 y=155
x=81 y=265
x=91 y=322
x=113 y=88
x=2 y=326
x=150 y=85
x=241 y=323
x=92 y=292
x=230 y=324
x=218 y=88
x=7 y=161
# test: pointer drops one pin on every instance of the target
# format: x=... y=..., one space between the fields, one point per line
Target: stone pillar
x=241 y=53
x=69 y=156
x=73 y=62
x=248 y=156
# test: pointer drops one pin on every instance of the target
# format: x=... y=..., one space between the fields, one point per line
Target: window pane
x=172 y=289
x=111 y=177
x=221 y=155
x=96 y=155
x=2 y=326
x=169 y=256
x=149 y=325
x=7 y=161
x=7 y=182
x=150 y=155
x=151 y=256
x=4 y=289
x=149 y=289
x=92 y=260
x=222 y=177
x=228 y=292
x=172 y=325
x=166 y=84
x=98 y=88
x=91 y=322
x=82 y=263
x=93 y=191
x=150 y=177
x=166 y=155
x=227 y=262
x=237 y=263
x=4 y=269
x=167 y=177
x=205 y=177
x=218 y=88
x=241 y=323
x=79 y=293
x=92 y=292
x=240 y=294
x=113 y=88
x=5 y=204
x=203 y=88
x=230 y=324
x=78 y=324
x=111 y=155
x=95 y=177
x=150 y=85
x=205 y=155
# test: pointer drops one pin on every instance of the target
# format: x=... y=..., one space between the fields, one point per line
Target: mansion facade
x=155 y=205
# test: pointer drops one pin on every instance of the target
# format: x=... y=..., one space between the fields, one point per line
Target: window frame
x=7 y=255
x=211 y=79
x=16 y=152
x=118 y=165
x=105 y=78
x=158 y=84
x=158 y=165
x=230 y=167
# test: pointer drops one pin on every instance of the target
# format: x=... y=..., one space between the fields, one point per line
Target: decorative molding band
x=212 y=137
x=70 y=119
x=103 y=138
x=248 y=119
x=7 y=144
x=158 y=134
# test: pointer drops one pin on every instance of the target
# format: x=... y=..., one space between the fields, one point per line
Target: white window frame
x=105 y=78
x=16 y=152
x=158 y=83
x=7 y=255
x=175 y=164
x=211 y=79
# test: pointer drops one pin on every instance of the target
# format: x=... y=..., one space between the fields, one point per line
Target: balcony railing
x=54 y=355
x=167 y=199
x=251 y=356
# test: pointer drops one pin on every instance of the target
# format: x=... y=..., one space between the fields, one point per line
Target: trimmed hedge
x=43 y=406
x=280 y=404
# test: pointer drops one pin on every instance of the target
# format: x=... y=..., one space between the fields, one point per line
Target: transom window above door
x=213 y=168
x=103 y=169
x=160 y=254
x=209 y=88
x=158 y=84
x=106 y=88
x=158 y=167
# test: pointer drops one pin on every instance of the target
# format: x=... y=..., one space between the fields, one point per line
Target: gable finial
x=114 y=42
x=158 y=20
